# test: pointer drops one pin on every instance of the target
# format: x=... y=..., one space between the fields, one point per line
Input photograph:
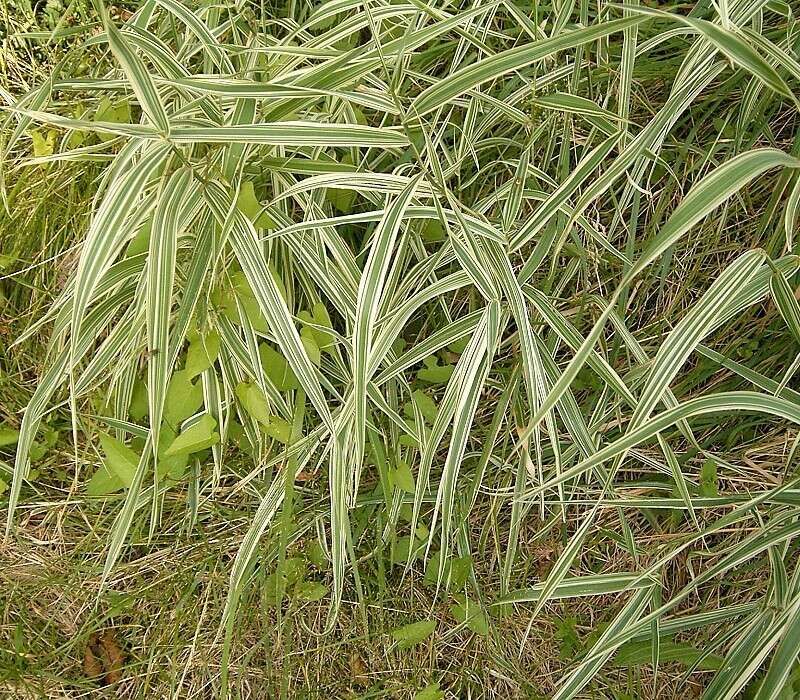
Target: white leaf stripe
x=140 y=79
x=786 y=302
x=513 y=59
x=734 y=401
x=160 y=279
x=296 y=133
x=370 y=298
x=701 y=320
x=703 y=198
x=469 y=384
x=578 y=679
x=107 y=231
x=96 y=320
x=245 y=245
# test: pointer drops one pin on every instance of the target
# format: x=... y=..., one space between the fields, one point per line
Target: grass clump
x=397 y=347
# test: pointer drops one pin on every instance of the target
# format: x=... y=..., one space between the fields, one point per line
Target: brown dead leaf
x=113 y=658
x=91 y=663
x=120 y=13
x=545 y=558
x=104 y=658
x=358 y=669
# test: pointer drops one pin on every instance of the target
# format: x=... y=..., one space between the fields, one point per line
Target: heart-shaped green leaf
x=430 y=692
x=117 y=470
x=139 y=406
x=196 y=437
x=411 y=635
x=183 y=398
x=402 y=478
x=248 y=204
x=426 y=405
x=202 y=353
x=8 y=436
x=278 y=429
x=277 y=368
x=173 y=466
x=311 y=590
x=253 y=401
x=433 y=372
x=468 y=612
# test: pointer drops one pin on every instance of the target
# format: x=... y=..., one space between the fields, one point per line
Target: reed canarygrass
x=326 y=238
